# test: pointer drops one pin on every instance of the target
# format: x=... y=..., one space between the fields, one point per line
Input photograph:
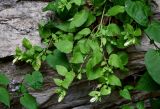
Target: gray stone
x=83 y=107
x=18 y=21
x=14 y=72
x=43 y=96
x=158 y=3
x=6 y=4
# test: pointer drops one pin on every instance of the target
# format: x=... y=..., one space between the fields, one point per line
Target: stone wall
x=19 y=20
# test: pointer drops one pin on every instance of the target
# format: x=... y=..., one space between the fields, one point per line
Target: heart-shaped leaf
x=138 y=11
x=3 y=79
x=79 y=19
x=115 y=10
x=58 y=58
x=35 y=80
x=64 y=46
x=146 y=83
x=153 y=31
x=152 y=62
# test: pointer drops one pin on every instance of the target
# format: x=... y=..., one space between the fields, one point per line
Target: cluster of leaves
x=34 y=81
x=88 y=38
x=32 y=55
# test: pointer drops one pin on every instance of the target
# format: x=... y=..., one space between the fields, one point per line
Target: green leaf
x=118 y=2
x=137 y=32
x=146 y=83
x=153 y=31
x=95 y=73
x=79 y=19
x=65 y=26
x=91 y=19
x=98 y=3
x=140 y=105
x=93 y=61
x=131 y=42
x=68 y=6
x=115 y=10
x=125 y=94
x=35 y=80
x=38 y=48
x=50 y=7
x=64 y=46
x=127 y=107
x=58 y=82
x=129 y=28
x=124 y=57
x=68 y=36
x=84 y=46
x=69 y=77
x=82 y=33
x=58 y=58
x=44 y=32
x=3 y=79
x=115 y=61
x=26 y=43
x=152 y=62
x=18 y=51
x=22 y=88
x=155 y=103
x=112 y=30
x=114 y=80
x=85 y=32
x=105 y=90
x=28 y=101
x=129 y=87
x=61 y=70
x=77 y=2
x=109 y=48
x=94 y=93
x=138 y=10
x=29 y=54
x=77 y=58
x=36 y=64
x=62 y=94
x=94 y=45
x=4 y=96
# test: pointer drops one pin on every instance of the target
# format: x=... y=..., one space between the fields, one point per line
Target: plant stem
x=101 y=22
x=153 y=42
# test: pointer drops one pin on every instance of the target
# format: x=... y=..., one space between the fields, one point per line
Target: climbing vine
x=87 y=39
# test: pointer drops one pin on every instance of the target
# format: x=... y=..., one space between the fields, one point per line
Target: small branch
x=153 y=42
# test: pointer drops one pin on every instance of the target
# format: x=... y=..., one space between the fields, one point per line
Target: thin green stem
x=101 y=22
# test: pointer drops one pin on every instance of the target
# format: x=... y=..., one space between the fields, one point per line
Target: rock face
x=19 y=20
x=158 y=3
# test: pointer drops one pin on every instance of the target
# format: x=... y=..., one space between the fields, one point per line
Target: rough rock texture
x=158 y=2
x=19 y=20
